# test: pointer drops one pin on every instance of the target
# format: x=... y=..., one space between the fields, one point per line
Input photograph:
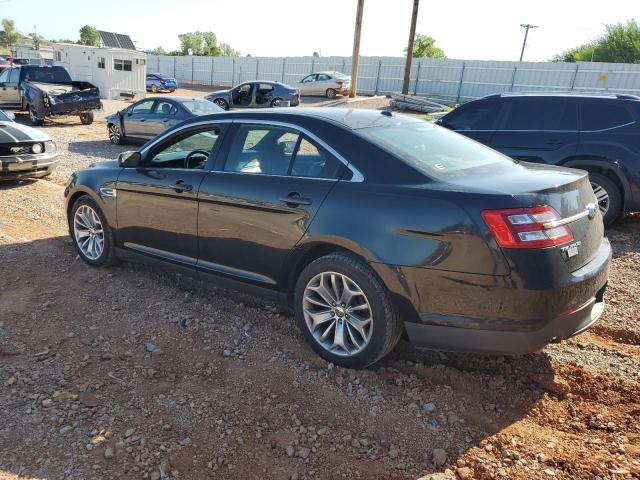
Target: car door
x=306 y=85
x=9 y=91
x=157 y=208
x=322 y=83
x=136 y=118
x=165 y=114
x=477 y=119
x=256 y=206
x=264 y=94
x=538 y=129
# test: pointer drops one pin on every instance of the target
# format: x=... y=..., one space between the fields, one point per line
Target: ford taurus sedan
x=369 y=225
x=148 y=117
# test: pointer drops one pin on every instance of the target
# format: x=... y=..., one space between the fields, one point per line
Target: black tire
x=115 y=135
x=86 y=118
x=221 y=103
x=614 y=206
x=387 y=324
x=33 y=116
x=108 y=256
x=331 y=93
x=276 y=102
x=154 y=88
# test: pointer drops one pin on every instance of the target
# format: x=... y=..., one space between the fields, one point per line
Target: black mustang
x=368 y=224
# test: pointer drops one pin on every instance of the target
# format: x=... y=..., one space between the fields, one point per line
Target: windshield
x=47 y=75
x=435 y=151
x=201 y=107
x=4 y=117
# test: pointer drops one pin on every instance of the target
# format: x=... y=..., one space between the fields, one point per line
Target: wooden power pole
x=412 y=36
x=355 y=57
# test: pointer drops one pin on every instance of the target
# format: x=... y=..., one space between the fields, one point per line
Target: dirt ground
x=128 y=372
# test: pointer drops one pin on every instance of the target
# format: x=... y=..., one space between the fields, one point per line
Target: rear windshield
x=340 y=76
x=435 y=151
x=47 y=75
x=201 y=107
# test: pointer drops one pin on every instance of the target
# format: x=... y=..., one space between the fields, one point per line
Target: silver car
x=328 y=84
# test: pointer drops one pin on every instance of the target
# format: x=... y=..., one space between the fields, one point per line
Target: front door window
x=191 y=151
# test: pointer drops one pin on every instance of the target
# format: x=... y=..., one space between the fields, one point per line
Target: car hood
x=11 y=132
x=105 y=164
x=218 y=93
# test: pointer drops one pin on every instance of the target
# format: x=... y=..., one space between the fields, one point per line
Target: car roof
x=564 y=95
x=350 y=118
x=179 y=98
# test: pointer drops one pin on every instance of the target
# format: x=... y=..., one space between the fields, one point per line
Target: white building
x=119 y=73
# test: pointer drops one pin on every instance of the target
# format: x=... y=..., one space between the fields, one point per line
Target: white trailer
x=119 y=73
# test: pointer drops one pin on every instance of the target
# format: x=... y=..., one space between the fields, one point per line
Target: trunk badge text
x=570 y=250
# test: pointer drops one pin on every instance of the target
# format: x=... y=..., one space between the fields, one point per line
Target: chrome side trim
x=108 y=192
x=563 y=221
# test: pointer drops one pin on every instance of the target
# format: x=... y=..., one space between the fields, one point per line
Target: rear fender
x=609 y=167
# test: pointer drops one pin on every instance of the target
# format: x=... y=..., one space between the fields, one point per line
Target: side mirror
x=130 y=159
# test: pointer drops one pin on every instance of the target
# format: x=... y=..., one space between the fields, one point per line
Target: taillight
x=527 y=227
x=162 y=81
x=339 y=82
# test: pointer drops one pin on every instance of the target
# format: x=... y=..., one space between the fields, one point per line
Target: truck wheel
x=33 y=116
x=86 y=118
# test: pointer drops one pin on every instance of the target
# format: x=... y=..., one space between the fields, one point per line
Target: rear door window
x=474 y=116
x=600 y=115
x=541 y=114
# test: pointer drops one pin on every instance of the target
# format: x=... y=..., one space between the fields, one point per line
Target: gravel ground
x=128 y=372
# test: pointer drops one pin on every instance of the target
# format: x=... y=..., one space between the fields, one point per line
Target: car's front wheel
x=608 y=197
x=91 y=233
x=115 y=136
x=221 y=103
x=344 y=311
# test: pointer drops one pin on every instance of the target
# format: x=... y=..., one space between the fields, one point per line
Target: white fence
x=457 y=80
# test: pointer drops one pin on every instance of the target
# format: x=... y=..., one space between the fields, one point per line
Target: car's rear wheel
x=115 y=136
x=86 y=118
x=154 y=89
x=331 y=93
x=276 y=102
x=221 y=103
x=344 y=311
x=608 y=196
x=33 y=116
x=91 y=233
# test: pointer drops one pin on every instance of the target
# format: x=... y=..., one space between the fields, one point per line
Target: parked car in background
x=255 y=94
x=363 y=223
x=328 y=84
x=17 y=61
x=4 y=63
x=597 y=133
x=159 y=82
x=25 y=152
x=46 y=91
x=148 y=117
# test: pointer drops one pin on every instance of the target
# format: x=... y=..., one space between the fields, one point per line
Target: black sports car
x=25 y=152
x=366 y=223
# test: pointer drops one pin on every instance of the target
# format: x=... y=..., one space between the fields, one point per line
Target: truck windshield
x=47 y=75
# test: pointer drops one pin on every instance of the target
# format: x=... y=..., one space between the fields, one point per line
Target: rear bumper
x=494 y=314
x=27 y=166
x=74 y=108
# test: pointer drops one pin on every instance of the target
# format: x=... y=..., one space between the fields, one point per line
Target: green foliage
x=89 y=36
x=191 y=43
x=36 y=39
x=63 y=40
x=425 y=46
x=621 y=44
x=10 y=35
x=204 y=43
x=316 y=54
x=158 y=51
x=227 y=51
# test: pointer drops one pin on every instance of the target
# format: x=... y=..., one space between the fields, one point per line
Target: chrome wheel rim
x=114 y=134
x=602 y=197
x=88 y=232
x=337 y=314
x=221 y=103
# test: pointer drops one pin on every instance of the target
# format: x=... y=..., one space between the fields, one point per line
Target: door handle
x=180 y=187
x=295 y=200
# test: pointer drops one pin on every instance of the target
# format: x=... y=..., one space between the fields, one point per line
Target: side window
x=166 y=108
x=262 y=150
x=309 y=79
x=541 y=114
x=265 y=88
x=142 y=107
x=599 y=115
x=101 y=62
x=14 y=76
x=4 y=76
x=311 y=161
x=189 y=151
x=322 y=77
x=475 y=116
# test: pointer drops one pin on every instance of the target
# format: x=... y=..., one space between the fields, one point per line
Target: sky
x=464 y=29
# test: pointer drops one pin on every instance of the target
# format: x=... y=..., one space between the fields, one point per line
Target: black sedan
x=369 y=225
x=25 y=152
x=256 y=94
x=148 y=117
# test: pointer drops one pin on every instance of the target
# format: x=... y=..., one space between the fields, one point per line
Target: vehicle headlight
x=50 y=146
x=37 y=148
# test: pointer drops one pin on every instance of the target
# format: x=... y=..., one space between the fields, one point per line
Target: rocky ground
x=127 y=372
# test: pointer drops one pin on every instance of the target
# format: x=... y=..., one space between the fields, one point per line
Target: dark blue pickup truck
x=46 y=91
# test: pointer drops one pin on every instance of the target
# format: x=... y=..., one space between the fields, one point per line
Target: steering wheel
x=187 y=160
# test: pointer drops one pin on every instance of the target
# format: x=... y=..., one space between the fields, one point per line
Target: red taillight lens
x=339 y=82
x=526 y=227
x=162 y=81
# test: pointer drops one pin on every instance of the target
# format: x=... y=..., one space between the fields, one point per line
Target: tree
x=63 y=40
x=227 y=51
x=158 y=51
x=10 y=35
x=316 y=54
x=89 y=36
x=36 y=39
x=425 y=46
x=204 y=43
x=210 y=44
x=191 y=43
x=620 y=44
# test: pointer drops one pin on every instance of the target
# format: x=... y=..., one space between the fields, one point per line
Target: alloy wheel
x=602 y=197
x=88 y=232
x=114 y=134
x=221 y=103
x=337 y=313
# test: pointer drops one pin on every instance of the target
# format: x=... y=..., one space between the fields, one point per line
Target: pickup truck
x=47 y=91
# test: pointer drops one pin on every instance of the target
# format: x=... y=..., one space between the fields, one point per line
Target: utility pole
x=526 y=26
x=355 y=57
x=412 y=36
